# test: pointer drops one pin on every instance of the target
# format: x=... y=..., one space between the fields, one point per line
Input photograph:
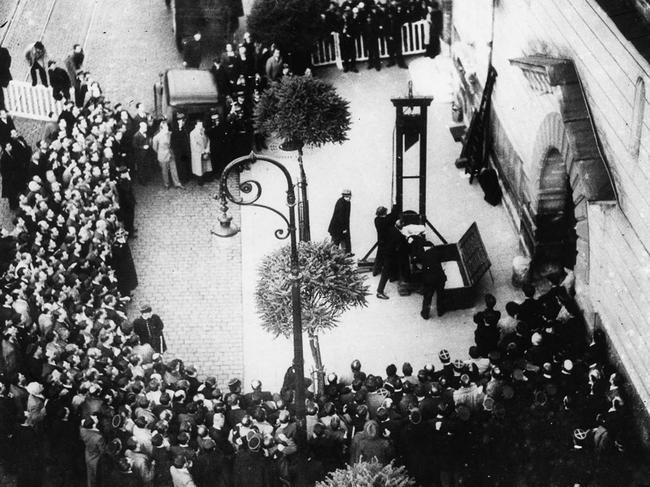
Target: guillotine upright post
x=412 y=125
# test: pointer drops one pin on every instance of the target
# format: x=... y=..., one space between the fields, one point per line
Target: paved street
x=385 y=331
x=192 y=283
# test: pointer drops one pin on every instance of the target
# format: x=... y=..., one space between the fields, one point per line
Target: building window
x=636 y=126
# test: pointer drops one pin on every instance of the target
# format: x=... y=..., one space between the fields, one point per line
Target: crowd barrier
x=27 y=101
x=37 y=102
x=328 y=50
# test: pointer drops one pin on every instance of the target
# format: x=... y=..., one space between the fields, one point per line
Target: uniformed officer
x=348 y=31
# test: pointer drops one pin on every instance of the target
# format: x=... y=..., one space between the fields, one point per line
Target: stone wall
x=611 y=71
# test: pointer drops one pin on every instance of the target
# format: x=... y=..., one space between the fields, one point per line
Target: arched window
x=636 y=127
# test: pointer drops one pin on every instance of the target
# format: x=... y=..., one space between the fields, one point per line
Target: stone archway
x=566 y=178
x=556 y=234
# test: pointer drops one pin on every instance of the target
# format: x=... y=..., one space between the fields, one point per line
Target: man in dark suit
x=80 y=89
x=339 y=227
x=393 y=29
x=149 y=327
x=433 y=280
x=221 y=78
x=59 y=80
x=142 y=153
x=180 y=145
x=348 y=31
x=390 y=242
x=371 y=30
x=5 y=72
x=10 y=171
x=192 y=51
x=6 y=126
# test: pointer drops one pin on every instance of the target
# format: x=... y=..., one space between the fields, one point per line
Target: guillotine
x=464 y=262
x=410 y=127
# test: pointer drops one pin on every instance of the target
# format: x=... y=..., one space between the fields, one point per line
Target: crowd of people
x=87 y=395
x=373 y=20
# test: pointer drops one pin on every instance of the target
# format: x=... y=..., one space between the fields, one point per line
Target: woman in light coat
x=200 y=148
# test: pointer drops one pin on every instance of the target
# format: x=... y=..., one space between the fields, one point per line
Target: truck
x=192 y=92
x=217 y=20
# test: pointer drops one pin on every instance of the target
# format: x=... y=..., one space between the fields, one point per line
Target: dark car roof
x=190 y=87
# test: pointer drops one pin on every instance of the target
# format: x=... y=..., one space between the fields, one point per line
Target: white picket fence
x=328 y=50
x=27 y=101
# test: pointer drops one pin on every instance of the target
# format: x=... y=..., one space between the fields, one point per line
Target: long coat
x=151 y=331
x=199 y=145
x=13 y=172
x=5 y=67
x=95 y=446
x=122 y=262
x=340 y=221
x=5 y=130
x=29 y=457
x=180 y=144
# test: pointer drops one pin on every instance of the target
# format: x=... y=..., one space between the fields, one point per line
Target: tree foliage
x=368 y=474
x=305 y=110
x=330 y=285
x=293 y=25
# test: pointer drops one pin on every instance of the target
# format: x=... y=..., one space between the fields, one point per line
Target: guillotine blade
x=411 y=130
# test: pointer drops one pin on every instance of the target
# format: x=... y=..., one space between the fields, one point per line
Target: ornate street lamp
x=252 y=190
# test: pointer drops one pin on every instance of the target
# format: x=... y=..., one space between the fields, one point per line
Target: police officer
x=348 y=31
x=371 y=31
x=393 y=29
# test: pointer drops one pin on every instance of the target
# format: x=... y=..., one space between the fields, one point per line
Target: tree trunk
x=314 y=345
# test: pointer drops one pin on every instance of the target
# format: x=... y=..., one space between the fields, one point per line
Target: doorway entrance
x=555 y=221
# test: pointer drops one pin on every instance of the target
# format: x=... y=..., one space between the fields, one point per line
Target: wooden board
x=473 y=254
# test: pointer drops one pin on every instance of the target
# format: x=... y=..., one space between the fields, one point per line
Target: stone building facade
x=570 y=139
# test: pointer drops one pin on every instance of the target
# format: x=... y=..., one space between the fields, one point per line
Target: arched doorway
x=556 y=220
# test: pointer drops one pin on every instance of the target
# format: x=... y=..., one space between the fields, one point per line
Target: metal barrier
x=328 y=50
x=27 y=101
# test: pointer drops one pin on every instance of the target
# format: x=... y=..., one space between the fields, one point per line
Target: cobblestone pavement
x=203 y=289
x=191 y=278
x=188 y=278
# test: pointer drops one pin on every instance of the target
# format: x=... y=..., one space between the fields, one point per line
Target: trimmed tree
x=293 y=25
x=330 y=285
x=368 y=474
x=302 y=110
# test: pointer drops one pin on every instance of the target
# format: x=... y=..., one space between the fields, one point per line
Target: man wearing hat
x=149 y=327
x=192 y=51
x=95 y=446
x=208 y=469
x=339 y=228
x=122 y=261
x=179 y=142
x=251 y=468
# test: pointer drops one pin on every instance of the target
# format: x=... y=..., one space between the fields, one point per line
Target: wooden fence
x=35 y=102
x=328 y=50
